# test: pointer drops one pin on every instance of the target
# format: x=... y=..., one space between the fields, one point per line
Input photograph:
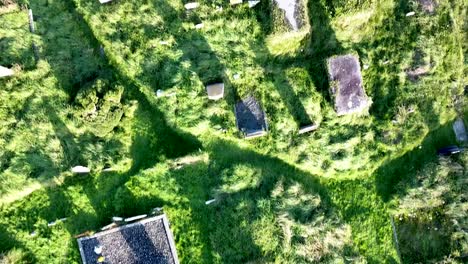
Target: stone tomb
x=346 y=85
x=250 y=118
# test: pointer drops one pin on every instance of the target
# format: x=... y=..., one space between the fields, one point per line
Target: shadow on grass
x=230 y=238
x=402 y=169
x=319 y=45
x=196 y=51
x=393 y=38
x=8 y=242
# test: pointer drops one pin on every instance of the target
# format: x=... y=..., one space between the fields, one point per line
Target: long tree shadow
x=8 y=242
x=226 y=228
x=393 y=38
x=154 y=139
x=391 y=175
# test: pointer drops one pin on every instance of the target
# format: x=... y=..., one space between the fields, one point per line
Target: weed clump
x=99 y=105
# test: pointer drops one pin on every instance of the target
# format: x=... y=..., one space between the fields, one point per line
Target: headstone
x=210 y=201
x=191 y=5
x=215 y=91
x=199 y=26
x=117 y=219
x=236 y=76
x=5 y=72
x=309 y=128
x=235 y=2
x=460 y=130
x=108 y=169
x=410 y=14
x=105 y=1
x=80 y=170
x=253 y=3
x=31 y=21
x=159 y=93
x=346 y=85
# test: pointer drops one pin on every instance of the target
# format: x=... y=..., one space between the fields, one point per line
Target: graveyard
x=279 y=131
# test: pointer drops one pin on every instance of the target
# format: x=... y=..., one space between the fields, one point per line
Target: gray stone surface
x=250 y=117
x=215 y=91
x=346 y=85
x=143 y=242
x=460 y=130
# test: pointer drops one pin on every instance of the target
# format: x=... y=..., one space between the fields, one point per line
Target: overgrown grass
x=321 y=197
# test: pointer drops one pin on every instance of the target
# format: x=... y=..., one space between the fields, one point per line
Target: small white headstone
x=104 y=1
x=210 y=201
x=80 y=169
x=117 y=219
x=159 y=93
x=235 y=2
x=366 y=66
x=410 y=14
x=162 y=42
x=4 y=72
x=253 y=3
x=215 y=91
x=199 y=26
x=236 y=76
x=460 y=130
x=190 y=6
x=108 y=169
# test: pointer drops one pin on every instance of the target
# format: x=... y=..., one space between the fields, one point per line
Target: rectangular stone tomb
x=146 y=241
x=250 y=118
x=346 y=85
x=215 y=91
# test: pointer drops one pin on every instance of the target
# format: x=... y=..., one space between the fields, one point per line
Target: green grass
x=322 y=197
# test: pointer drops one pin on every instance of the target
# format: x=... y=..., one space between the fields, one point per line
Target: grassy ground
x=321 y=197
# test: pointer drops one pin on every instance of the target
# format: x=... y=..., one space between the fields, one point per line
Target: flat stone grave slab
x=215 y=91
x=250 y=118
x=147 y=241
x=346 y=85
